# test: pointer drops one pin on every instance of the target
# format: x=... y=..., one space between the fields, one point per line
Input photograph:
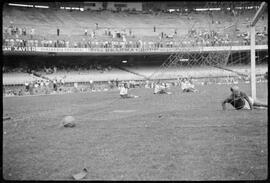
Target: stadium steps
x=132 y=72
x=47 y=21
x=14 y=78
x=86 y=76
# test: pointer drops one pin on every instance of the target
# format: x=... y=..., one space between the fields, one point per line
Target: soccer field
x=183 y=136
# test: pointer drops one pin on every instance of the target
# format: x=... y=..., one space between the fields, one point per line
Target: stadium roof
x=170 y=3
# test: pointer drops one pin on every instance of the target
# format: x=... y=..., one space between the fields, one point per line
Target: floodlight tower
x=252 y=48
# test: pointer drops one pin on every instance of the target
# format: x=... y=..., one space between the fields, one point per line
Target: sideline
x=123 y=111
x=16 y=96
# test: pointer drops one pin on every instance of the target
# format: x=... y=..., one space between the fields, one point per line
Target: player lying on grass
x=160 y=88
x=187 y=86
x=124 y=92
x=240 y=100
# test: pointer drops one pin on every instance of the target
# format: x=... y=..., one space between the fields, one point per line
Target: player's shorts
x=124 y=96
x=246 y=106
x=161 y=92
x=128 y=96
x=188 y=90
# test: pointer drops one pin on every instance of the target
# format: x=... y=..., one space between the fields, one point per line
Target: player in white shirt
x=124 y=92
x=187 y=86
x=160 y=89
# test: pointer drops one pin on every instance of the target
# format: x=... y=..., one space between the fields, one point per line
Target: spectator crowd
x=14 y=36
x=43 y=86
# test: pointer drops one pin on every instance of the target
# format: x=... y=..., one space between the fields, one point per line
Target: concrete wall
x=125 y=6
x=89 y=5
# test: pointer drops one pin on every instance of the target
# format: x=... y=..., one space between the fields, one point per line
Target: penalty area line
x=124 y=111
x=202 y=126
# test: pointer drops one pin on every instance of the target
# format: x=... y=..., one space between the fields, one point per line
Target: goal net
x=215 y=49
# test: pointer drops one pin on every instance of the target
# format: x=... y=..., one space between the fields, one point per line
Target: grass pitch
x=183 y=136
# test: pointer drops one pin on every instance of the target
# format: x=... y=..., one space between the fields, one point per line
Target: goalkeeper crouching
x=124 y=92
x=240 y=100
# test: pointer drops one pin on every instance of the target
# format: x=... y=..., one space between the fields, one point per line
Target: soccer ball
x=69 y=121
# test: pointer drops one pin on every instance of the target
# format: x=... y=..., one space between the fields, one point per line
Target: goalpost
x=193 y=50
x=214 y=60
x=226 y=65
x=252 y=48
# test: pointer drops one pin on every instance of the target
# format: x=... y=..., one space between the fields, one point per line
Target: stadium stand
x=31 y=27
x=14 y=78
x=118 y=27
x=86 y=76
x=196 y=72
